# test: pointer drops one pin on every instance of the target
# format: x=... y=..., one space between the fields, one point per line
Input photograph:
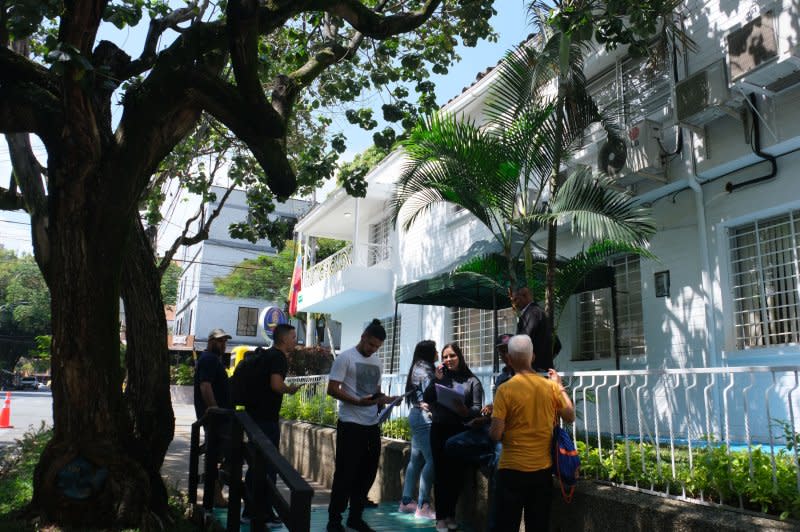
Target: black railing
x=260 y=455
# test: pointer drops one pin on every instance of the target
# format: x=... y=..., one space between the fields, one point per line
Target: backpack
x=566 y=462
x=247 y=382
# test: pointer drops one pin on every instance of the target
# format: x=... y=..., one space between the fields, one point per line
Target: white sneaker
x=441 y=526
x=425 y=512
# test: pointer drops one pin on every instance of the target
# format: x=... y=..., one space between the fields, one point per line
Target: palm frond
x=597 y=211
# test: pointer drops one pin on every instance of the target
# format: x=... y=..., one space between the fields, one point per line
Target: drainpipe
x=705 y=273
x=755 y=136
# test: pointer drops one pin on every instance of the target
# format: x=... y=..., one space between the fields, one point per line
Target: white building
x=713 y=150
x=199 y=308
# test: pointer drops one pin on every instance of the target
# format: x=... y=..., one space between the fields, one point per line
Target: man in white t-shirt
x=355 y=380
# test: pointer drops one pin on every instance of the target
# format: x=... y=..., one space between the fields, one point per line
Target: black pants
x=448 y=471
x=518 y=490
x=358 y=448
x=259 y=497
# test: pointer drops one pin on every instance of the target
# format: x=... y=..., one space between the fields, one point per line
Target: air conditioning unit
x=763 y=55
x=637 y=155
x=703 y=97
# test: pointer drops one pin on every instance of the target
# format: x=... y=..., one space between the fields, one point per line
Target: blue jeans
x=420 y=466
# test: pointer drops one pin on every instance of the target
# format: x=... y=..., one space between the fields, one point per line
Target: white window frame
x=473 y=330
x=763 y=313
x=605 y=340
x=380 y=234
x=393 y=328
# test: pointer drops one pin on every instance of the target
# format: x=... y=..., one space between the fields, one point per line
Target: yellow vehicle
x=237 y=355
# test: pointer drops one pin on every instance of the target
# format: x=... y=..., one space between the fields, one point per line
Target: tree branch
x=28 y=175
x=202 y=233
x=372 y=24
x=17 y=68
x=27 y=108
x=10 y=200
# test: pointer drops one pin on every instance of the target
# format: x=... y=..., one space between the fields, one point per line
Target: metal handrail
x=261 y=456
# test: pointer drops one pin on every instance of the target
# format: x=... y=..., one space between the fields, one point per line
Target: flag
x=297 y=278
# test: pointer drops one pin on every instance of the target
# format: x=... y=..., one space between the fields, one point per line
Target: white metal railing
x=328 y=267
x=667 y=431
x=369 y=255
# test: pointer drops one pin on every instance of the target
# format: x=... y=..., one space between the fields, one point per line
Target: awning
x=466 y=290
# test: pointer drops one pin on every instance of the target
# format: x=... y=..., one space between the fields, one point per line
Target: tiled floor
x=384 y=518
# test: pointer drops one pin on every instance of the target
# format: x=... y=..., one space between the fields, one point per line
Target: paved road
x=28 y=410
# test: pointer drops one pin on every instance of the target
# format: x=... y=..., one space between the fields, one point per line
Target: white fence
x=653 y=429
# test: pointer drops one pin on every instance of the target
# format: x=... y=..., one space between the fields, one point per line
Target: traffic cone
x=5 y=414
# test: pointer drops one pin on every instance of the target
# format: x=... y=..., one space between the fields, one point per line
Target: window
x=473 y=330
x=764 y=279
x=247 y=322
x=634 y=89
x=379 y=242
x=385 y=352
x=596 y=320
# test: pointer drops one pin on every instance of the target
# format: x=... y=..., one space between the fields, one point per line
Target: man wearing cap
x=211 y=390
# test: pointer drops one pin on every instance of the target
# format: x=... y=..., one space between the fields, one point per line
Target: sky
x=510 y=24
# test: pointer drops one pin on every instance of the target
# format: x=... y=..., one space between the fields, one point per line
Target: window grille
x=385 y=352
x=247 y=322
x=473 y=330
x=634 y=89
x=764 y=279
x=379 y=240
x=596 y=320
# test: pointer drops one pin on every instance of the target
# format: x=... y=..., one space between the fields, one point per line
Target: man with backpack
x=259 y=385
x=525 y=410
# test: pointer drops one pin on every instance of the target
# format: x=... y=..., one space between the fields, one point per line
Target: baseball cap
x=218 y=333
x=502 y=340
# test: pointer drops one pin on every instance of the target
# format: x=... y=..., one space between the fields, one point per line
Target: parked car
x=42 y=387
x=28 y=383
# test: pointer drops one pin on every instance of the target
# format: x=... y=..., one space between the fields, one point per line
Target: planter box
x=596 y=507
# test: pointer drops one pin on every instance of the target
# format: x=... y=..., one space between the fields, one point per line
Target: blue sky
x=510 y=24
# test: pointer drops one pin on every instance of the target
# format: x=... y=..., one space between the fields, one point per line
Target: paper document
x=450 y=397
x=387 y=409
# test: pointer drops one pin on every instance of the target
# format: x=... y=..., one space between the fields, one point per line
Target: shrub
x=312 y=360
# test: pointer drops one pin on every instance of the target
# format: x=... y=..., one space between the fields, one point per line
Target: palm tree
x=505 y=173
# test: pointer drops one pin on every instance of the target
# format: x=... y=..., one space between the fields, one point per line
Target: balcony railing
x=717 y=435
x=369 y=255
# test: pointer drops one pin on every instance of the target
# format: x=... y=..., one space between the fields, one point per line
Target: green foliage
x=715 y=474
x=267 y=277
x=169 y=284
x=42 y=350
x=16 y=472
x=399 y=429
x=309 y=360
x=182 y=374
x=327 y=247
x=351 y=175
x=24 y=296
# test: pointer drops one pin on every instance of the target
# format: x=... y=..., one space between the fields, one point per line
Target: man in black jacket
x=533 y=322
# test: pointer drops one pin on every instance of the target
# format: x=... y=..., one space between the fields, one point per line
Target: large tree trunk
x=147 y=393
x=86 y=475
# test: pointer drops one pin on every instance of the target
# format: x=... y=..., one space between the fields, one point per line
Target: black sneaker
x=273 y=521
x=359 y=525
x=335 y=526
x=370 y=504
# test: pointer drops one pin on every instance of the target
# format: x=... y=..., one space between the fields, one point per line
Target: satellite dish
x=612 y=156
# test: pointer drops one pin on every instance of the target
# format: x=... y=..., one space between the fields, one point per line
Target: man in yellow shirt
x=525 y=409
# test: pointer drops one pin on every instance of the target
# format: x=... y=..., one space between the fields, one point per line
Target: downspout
x=705 y=267
x=755 y=136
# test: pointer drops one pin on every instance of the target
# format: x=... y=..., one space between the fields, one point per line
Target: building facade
x=712 y=147
x=199 y=308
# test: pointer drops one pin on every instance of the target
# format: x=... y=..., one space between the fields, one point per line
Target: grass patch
x=16 y=489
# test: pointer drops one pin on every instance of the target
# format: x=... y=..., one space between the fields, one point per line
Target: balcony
x=350 y=276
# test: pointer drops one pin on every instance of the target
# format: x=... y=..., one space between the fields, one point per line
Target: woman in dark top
x=420 y=465
x=447 y=422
